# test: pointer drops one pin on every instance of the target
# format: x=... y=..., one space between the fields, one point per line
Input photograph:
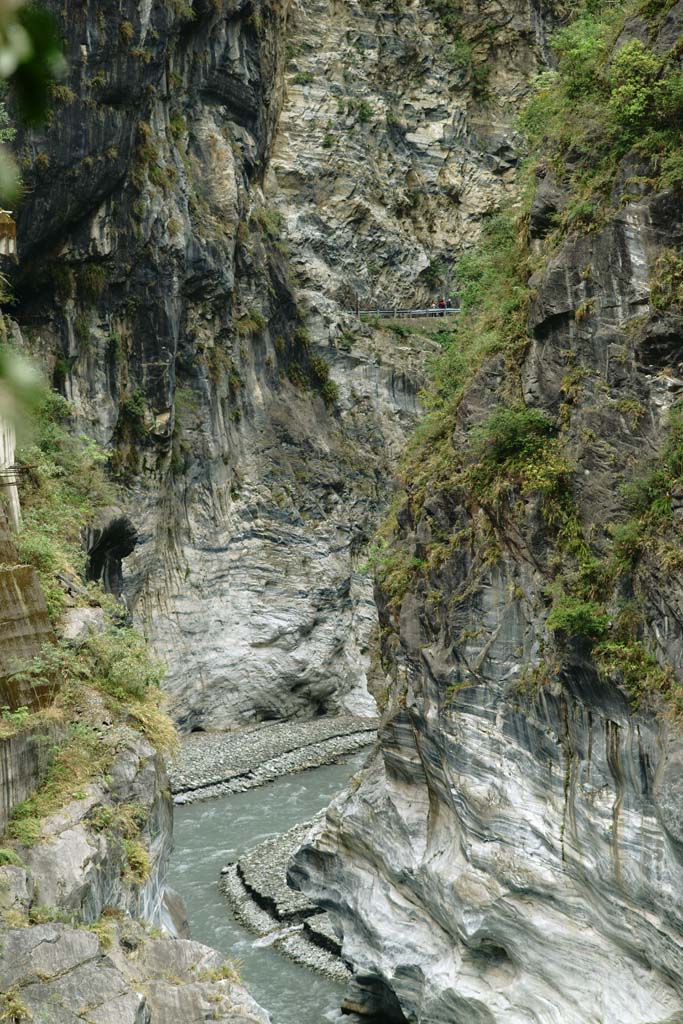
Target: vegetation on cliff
x=605 y=127
x=108 y=672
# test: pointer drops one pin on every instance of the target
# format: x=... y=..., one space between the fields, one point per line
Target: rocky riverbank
x=260 y=898
x=215 y=764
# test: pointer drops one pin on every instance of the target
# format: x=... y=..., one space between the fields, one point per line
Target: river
x=208 y=835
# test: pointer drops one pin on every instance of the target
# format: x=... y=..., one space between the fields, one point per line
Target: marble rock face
x=222 y=188
x=508 y=865
x=513 y=853
x=56 y=973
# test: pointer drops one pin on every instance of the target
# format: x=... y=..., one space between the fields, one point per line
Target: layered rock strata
x=214 y=184
x=24 y=622
x=513 y=853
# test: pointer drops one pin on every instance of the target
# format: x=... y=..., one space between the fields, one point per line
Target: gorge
x=462 y=531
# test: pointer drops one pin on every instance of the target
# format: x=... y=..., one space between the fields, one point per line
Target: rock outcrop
x=119 y=976
x=24 y=760
x=212 y=191
x=78 y=913
x=514 y=851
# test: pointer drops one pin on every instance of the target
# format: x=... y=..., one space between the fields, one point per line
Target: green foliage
x=133 y=413
x=458 y=56
x=12 y=721
x=512 y=434
x=639 y=672
x=138 y=867
x=12 y=1009
x=493 y=281
x=116 y=661
x=62 y=485
x=297 y=375
x=575 y=617
x=119 y=665
x=80 y=758
x=126 y=820
x=181 y=8
x=251 y=322
x=271 y=221
x=303 y=78
x=228 y=971
x=91 y=281
x=177 y=126
x=7 y=130
x=599 y=104
x=581 y=120
x=644 y=94
x=666 y=282
x=9 y=857
x=449 y=12
x=319 y=373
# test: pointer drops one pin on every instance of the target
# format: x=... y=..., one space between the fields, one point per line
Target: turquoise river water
x=210 y=834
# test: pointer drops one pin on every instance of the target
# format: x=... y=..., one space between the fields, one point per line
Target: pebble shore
x=214 y=764
x=256 y=889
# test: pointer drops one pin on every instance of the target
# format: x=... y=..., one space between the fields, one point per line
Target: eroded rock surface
x=214 y=188
x=513 y=853
x=63 y=975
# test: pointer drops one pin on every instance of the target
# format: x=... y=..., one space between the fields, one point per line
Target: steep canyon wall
x=513 y=850
x=217 y=183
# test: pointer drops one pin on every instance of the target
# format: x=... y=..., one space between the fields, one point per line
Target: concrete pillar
x=8 y=473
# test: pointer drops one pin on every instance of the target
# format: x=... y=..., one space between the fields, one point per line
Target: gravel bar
x=214 y=764
x=256 y=889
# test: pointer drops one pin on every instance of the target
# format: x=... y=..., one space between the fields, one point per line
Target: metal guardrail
x=403 y=314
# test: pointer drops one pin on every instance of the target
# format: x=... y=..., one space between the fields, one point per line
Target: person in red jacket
x=442 y=307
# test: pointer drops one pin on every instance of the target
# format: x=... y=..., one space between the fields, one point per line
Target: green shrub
x=9 y=857
x=250 y=322
x=137 y=856
x=639 y=672
x=643 y=96
x=80 y=758
x=303 y=78
x=458 y=56
x=12 y=1009
x=271 y=221
x=666 y=281
x=330 y=392
x=133 y=413
x=599 y=104
x=62 y=485
x=582 y=49
x=575 y=617
x=91 y=281
x=118 y=664
x=513 y=433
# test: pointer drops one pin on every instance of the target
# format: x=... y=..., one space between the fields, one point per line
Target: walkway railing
x=402 y=314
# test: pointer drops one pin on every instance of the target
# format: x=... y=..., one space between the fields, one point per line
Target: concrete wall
x=8 y=475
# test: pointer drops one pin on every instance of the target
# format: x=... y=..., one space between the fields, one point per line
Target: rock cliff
x=217 y=183
x=513 y=850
